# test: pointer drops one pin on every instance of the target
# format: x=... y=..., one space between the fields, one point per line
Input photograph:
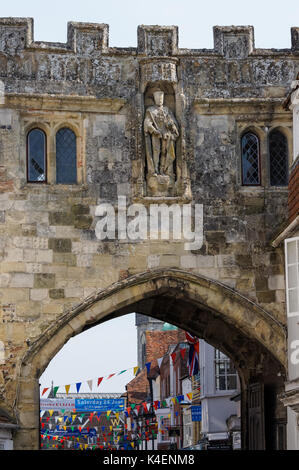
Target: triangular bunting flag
x=51 y=412
x=89 y=382
x=135 y=370
x=160 y=361
x=44 y=390
x=173 y=356
x=122 y=372
x=111 y=375
x=148 y=366
x=78 y=385
x=67 y=389
x=55 y=391
x=100 y=380
x=182 y=352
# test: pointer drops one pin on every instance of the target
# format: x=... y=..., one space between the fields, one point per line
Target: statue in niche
x=161 y=132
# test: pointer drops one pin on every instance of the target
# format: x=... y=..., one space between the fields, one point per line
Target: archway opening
x=231 y=324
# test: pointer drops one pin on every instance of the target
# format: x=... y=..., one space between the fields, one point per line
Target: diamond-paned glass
x=36 y=156
x=66 y=157
x=250 y=159
x=278 y=156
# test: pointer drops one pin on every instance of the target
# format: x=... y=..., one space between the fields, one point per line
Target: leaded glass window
x=36 y=156
x=278 y=158
x=250 y=159
x=66 y=156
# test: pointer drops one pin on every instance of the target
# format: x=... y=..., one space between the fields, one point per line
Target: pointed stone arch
x=207 y=308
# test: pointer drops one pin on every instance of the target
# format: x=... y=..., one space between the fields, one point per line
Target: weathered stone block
x=44 y=280
x=56 y=293
x=61 y=218
x=60 y=245
x=22 y=280
x=276 y=282
x=157 y=40
x=69 y=259
x=266 y=297
x=38 y=294
x=234 y=41
x=82 y=222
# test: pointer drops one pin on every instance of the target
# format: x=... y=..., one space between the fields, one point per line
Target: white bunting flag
x=90 y=384
x=160 y=361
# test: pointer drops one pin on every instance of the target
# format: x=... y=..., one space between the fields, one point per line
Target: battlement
x=16 y=35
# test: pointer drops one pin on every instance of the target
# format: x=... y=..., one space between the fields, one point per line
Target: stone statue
x=161 y=132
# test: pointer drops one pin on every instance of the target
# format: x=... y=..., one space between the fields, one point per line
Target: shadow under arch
x=251 y=336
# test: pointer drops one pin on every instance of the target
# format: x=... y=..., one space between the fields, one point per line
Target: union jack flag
x=193 y=359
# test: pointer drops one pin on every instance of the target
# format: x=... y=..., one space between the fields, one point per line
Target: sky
x=108 y=348
x=112 y=347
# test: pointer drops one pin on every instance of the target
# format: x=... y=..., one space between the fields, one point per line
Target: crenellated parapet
x=16 y=35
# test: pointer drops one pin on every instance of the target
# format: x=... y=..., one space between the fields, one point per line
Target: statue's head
x=158 y=97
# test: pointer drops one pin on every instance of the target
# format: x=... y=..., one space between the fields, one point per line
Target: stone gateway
x=84 y=123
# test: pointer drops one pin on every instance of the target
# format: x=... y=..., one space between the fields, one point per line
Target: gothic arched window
x=250 y=159
x=278 y=158
x=36 y=156
x=66 y=156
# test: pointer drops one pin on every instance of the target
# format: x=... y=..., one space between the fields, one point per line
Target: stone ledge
x=63 y=102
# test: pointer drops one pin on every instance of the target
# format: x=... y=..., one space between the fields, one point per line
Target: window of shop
x=225 y=372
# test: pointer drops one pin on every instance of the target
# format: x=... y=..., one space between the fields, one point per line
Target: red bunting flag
x=182 y=351
x=100 y=380
x=145 y=407
x=111 y=375
x=44 y=390
x=173 y=356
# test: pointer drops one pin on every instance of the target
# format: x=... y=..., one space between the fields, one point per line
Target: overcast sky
x=111 y=347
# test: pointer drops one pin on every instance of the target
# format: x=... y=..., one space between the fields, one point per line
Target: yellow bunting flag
x=108 y=413
x=190 y=395
x=67 y=389
x=169 y=415
x=173 y=400
x=110 y=428
x=135 y=370
x=73 y=417
x=132 y=444
x=51 y=412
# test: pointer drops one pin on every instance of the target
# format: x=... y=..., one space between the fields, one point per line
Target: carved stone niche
x=163 y=130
